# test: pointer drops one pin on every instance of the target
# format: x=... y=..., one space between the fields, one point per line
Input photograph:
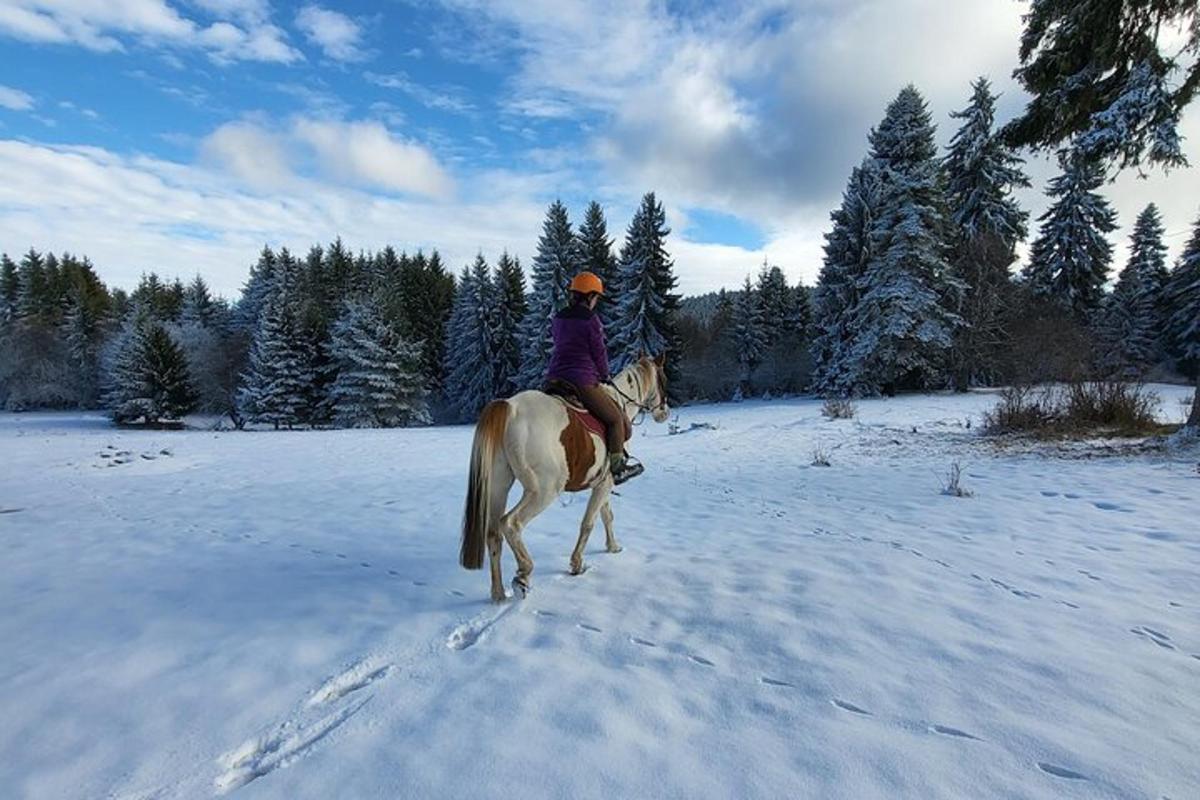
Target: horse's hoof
x=615 y=548
x=499 y=598
x=579 y=570
x=520 y=588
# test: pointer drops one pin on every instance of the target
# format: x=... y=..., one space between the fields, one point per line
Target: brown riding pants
x=597 y=401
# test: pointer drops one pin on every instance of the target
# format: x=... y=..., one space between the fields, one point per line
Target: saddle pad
x=590 y=422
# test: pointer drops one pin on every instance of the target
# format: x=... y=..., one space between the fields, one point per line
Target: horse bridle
x=642 y=407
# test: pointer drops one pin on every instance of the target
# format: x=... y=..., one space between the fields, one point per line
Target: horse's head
x=656 y=396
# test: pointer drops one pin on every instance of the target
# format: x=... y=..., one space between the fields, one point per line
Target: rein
x=641 y=407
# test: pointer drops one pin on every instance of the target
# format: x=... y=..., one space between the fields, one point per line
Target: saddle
x=566 y=393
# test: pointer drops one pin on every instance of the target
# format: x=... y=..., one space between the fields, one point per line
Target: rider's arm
x=599 y=351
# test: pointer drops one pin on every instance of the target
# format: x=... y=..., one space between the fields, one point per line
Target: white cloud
x=15 y=99
x=362 y=154
x=107 y=26
x=336 y=34
x=444 y=98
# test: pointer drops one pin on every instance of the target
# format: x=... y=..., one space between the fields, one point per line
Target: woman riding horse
x=580 y=361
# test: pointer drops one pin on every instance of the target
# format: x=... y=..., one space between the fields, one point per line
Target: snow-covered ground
x=282 y=615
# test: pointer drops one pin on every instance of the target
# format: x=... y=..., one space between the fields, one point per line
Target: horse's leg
x=597 y=501
x=534 y=501
x=502 y=481
x=610 y=539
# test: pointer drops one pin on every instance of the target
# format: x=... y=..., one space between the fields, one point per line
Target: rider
x=581 y=360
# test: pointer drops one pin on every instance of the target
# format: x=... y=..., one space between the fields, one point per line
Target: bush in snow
x=952 y=483
x=820 y=456
x=1077 y=408
x=838 y=408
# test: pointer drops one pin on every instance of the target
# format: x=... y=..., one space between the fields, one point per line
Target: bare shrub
x=820 y=457
x=839 y=408
x=1021 y=409
x=1079 y=407
x=952 y=482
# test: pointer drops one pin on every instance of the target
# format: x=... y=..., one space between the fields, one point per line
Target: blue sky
x=182 y=135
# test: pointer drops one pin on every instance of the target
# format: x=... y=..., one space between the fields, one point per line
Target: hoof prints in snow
x=948 y=731
x=1160 y=639
x=267 y=753
x=775 y=682
x=591 y=628
x=701 y=660
x=853 y=709
x=467 y=634
x=1061 y=772
x=362 y=674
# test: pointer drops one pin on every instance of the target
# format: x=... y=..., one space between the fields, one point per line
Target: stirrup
x=630 y=469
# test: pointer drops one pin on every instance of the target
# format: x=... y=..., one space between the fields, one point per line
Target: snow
x=281 y=615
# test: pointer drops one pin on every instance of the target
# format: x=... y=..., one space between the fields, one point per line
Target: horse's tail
x=477 y=516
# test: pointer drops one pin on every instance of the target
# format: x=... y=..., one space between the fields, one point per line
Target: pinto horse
x=534 y=438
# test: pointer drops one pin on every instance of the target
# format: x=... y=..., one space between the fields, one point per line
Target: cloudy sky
x=182 y=135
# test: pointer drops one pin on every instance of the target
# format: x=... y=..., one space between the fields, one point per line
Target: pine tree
x=778 y=304
x=556 y=262
x=849 y=248
x=1183 y=324
x=644 y=321
x=471 y=362
x=33 y=291
x=982 y=173
x=149 y=379
x=596 y=253
x=80 y=334
x=1132 y=324
x=10 y=289
x=379 y=379
x=278 y=383
x=198 y=304
x=256 y=291
x=1099 y=71
x=749 y=334
x=511 y=307
x=1068 y=263
x=902 y=327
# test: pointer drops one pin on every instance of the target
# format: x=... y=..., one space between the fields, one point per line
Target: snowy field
x=281 y=615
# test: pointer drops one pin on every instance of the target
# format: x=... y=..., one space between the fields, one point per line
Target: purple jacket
x=579 y=353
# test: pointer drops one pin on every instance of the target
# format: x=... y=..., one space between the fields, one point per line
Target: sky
x=181 y=136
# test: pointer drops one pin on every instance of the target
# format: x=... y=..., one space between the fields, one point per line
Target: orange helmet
x=587 y=283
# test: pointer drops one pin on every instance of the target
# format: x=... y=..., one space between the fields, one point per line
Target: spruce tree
x=902 y=328
x=981 y=174
x=511 y=307
x=849 y=248
x=380 y=383
x=596 y=254
x=778 y=304
x=556 y=262
x=33 y=290
x=644 y=321
x=256 y=291
x=749 y=334
x=1132 y=325
x=1100 y=74
x=149 y=379
x=10 y=289
x=471 y=362
x=1068 y=263
x=1183 y=324
x=198 y=304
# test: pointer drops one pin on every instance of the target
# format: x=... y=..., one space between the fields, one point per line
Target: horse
x=532 y=437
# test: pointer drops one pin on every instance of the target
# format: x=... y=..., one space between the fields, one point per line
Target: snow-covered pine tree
x=1069 y=261
x=595 y=252
x=33 y=292
x=380 y=383
x=777 y=302
x=849 y=248
x=1132 y=324
x=278 y=383
x=81 y=337
x=256 y=291
x=148 y=378
x=902 y=327
x=10 y=289
x=981 y=174
x=471 y=362
x=749 y=331
x=644 y=321
x=198 y=304
x=1183 y=325
x=556 y=262
x=511 y=307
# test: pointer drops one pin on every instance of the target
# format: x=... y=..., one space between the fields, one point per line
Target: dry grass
x=1081 y=408
x=839 y=408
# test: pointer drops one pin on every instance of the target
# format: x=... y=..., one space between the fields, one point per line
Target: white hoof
x=520 y=589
